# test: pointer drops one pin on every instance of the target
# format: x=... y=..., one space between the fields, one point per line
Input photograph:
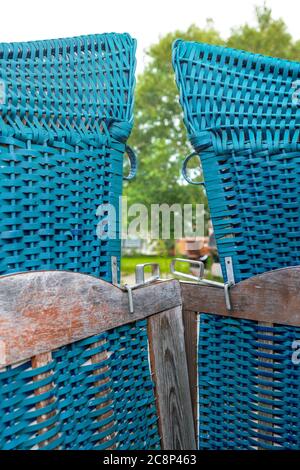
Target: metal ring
x=133 y=163
x=184 y=169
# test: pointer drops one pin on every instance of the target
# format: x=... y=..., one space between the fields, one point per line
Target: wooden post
x=169 y=364
x=191 y=348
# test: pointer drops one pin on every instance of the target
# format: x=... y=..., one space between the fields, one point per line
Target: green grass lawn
x=129 y=263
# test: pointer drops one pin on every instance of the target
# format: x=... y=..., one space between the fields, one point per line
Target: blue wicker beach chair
x=242 y=116
x=65 y=116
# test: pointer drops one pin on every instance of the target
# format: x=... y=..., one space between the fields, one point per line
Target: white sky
x=22 y=20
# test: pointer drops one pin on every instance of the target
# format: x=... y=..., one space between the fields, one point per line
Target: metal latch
x=141 y=281
x=198 y=264
x=114 y=270
x=199 y=278
x=230 y=281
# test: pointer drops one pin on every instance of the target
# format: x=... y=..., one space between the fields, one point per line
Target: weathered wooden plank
x=270 y=297
x=41 y=311
x=191 y=346
x=169 y=366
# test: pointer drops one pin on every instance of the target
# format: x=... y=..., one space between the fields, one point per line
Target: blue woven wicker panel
x=87 y=404
x=243 y=121
x=66 y=116
x=249 y=388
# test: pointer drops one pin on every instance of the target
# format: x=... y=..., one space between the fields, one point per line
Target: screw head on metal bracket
x=229 y=270
x=230 y=281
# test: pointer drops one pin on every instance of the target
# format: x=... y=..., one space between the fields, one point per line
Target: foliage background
x=159 y=137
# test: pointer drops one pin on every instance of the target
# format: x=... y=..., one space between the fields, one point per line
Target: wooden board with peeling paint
x=41 y=311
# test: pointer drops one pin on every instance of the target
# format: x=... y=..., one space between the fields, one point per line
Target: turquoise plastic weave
x=243 y=119
x=89 y=405
x=64 y=122
x=65 y=116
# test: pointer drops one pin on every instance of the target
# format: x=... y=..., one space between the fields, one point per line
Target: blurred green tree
x=270 y=37
x=159 y=136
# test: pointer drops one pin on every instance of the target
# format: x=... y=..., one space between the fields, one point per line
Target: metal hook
x=229 y=270
x=140 y=280
x=184 y=170
x=191 y=277
x=133 y=163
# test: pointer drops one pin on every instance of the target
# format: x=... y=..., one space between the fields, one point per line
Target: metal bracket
x=229 y=270
x=230 y=281
x=191 y=277
x=140 y=273
x=114 y=270
x=140 y=280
